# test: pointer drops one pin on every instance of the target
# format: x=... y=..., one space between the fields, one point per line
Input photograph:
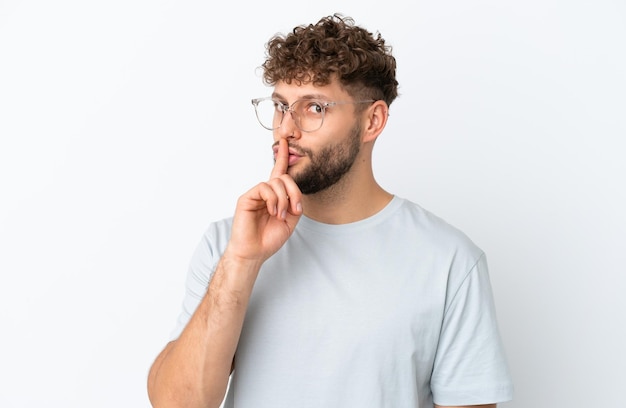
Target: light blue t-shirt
x=392 y=311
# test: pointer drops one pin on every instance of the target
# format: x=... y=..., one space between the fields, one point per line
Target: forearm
x=193 y=371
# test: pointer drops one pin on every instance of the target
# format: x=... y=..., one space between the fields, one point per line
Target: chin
x=293 y=171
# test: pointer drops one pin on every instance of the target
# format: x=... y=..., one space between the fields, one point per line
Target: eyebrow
x=307 y=96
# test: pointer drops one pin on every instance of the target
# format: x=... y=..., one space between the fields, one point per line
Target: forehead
x=292 y=92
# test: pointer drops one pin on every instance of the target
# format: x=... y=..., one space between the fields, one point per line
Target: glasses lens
x=309 y=114
x=269 y=114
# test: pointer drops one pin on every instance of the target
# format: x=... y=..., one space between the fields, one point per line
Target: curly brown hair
x=334 y=47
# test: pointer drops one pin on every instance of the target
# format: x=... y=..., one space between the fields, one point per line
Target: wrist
x=242 y=263
x=235 y=276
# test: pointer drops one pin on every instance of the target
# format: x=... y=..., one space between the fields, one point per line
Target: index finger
x=281 y=161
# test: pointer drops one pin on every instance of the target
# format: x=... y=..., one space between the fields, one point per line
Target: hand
x=267 y=214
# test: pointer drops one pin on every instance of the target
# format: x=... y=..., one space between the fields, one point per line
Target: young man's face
x=319 y=159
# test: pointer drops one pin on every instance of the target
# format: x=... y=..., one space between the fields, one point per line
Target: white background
x=126 y=127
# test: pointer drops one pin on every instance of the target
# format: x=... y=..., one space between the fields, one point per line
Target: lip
x=294 y=155
x=293 y=158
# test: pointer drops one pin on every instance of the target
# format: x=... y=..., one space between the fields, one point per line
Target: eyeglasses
x=308 y=114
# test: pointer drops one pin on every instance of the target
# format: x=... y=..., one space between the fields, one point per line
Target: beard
x=328 y=165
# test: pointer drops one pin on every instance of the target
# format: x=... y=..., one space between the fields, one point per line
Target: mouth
x=294 y=154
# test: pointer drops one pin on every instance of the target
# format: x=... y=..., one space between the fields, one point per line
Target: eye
x=314 y=108
x=280 y=106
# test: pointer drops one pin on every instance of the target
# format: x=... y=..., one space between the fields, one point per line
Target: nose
x=288 y=128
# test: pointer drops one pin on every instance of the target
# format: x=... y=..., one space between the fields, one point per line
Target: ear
x=375 y=120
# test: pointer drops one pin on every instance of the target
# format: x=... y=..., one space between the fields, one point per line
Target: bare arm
x=193 y=370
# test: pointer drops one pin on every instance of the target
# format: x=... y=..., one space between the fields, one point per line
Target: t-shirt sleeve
x=470 y=366
x=201 y=268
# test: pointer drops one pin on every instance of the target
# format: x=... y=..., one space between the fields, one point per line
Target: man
x=323 y=289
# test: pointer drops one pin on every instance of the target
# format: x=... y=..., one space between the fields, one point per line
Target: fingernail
x=299 y=207
x=283 y=215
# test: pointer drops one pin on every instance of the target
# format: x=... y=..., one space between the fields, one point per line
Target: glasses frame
x=294 y=115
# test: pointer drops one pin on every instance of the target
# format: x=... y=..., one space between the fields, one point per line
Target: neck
x=346 y=201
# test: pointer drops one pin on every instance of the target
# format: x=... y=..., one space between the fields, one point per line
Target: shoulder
x=217 y=234
x=212 y=244
x=434 y=231
x=442 y=245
